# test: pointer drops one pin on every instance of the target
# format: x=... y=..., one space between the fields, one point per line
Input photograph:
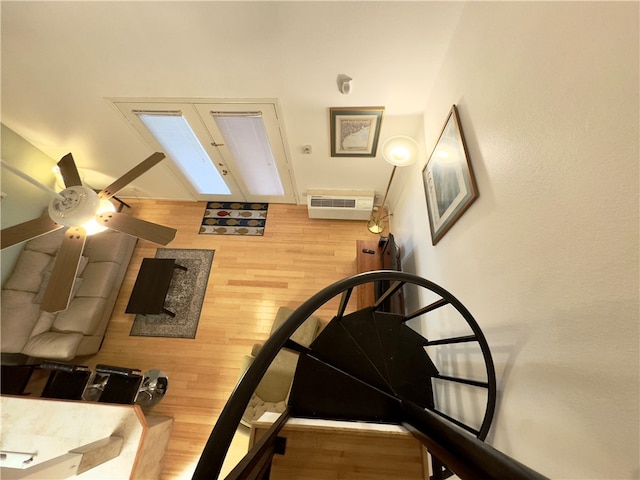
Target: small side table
x=151 y=287
x=367 y=259
x=153 y=388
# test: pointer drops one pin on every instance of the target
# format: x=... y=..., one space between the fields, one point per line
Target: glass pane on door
x=251 y=142
x=173 y=133
x=246 y=137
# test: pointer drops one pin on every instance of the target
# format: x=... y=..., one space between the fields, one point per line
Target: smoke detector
x=344 y=84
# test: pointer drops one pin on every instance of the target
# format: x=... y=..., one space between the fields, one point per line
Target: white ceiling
x=62 y=60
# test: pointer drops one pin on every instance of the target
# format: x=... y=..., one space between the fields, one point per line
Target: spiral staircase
x=368 y=365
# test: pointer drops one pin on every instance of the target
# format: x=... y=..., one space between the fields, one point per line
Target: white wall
x=24 y=201
x=547 y=258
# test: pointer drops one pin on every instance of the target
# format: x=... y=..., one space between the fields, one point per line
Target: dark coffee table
x=150 y=290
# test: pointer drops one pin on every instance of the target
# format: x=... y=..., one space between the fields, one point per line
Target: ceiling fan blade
x=69 y=171
x=57 y=295
x=131 y=175
x=137 y=228
x=27 y=230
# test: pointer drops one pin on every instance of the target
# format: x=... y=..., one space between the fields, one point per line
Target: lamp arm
x=376 y=225
x=393 y=172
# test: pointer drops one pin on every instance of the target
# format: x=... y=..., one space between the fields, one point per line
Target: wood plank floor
x=250 y=279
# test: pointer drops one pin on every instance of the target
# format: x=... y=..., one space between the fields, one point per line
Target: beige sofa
x=272 y=392
x=78 y=330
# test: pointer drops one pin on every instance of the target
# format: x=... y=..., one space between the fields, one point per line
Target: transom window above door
x=225 y=151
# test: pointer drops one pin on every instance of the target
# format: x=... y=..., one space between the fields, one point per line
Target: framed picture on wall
x=448 y=179
x=355 y=131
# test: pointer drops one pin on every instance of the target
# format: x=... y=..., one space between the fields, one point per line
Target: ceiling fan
x=84 y=212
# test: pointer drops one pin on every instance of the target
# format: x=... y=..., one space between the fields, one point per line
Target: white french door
x=236 y=150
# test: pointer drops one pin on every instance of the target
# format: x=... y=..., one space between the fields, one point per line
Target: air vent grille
x=333 y=202
x=340 y=206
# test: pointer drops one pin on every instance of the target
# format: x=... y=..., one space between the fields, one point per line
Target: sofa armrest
x=305 y=334
x=255 y=349
x=53 y=345
x=246 y=363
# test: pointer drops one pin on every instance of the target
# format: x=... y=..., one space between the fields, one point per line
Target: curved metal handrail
x=220 y=439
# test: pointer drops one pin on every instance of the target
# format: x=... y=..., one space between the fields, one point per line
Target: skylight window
x=246 y=138
x=173 y=133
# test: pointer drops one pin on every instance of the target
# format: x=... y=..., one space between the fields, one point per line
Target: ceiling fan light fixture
x=92 y=227
x=80 y=205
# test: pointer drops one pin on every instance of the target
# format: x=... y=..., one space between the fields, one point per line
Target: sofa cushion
x=57 y=346
x=46 y=275
x=257 y=407
x=83 y=316
x=19 y=315
x=98 y=279
x=48 y=243
x=77 y=283
x=27 y=274
x=44 y=323
x=109 y=246
x=82 y=264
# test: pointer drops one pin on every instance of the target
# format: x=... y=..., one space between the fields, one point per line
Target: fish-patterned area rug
x=234 y=218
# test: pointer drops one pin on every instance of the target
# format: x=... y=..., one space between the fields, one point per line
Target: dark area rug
x=234 y=218
x=185 y=296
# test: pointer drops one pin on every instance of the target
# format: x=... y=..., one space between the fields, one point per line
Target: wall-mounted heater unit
x=347 y=206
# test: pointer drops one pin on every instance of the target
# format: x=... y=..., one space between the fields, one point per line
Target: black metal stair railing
x=258 y=465
x=384 y=367
x=467 y=456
